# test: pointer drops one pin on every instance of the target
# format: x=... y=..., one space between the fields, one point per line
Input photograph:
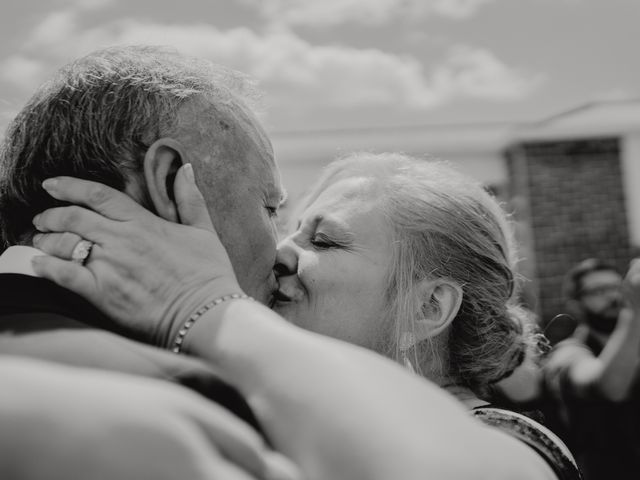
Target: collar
x=25 y=291
x=17 y=259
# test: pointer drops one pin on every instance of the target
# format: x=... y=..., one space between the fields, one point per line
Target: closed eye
x=323 y=242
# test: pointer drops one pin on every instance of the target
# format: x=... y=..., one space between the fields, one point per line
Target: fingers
x=237 y=442
x=218 y=467
x=234 y=438
x=103 y=199
x=66 y=274
x=278 y=467
x=631 y=286
x=76 y=220
x=191 y=205
x=59 y=245
x=632 y=278
x=633 y=274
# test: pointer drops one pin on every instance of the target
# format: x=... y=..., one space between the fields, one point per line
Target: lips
x=278 y=296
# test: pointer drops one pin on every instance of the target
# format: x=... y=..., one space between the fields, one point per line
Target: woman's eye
x=322 y=242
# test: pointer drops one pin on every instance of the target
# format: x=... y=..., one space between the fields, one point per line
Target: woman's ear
x=442 y=299
x=161 y=162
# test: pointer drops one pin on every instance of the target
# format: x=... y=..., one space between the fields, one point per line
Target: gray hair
x=96 y=118
x=446 y=226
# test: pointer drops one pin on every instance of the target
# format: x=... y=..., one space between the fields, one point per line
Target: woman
x=400 y=256
x=389 y=251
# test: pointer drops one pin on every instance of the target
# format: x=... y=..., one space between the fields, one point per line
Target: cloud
x=285 y=64
x=295 y=74
x=615 y=94
x=478 y=73
x=458 y=9
x=93 y=4
x=22 y=71
x=54 y=29
x=372 y=12
x=86 y=4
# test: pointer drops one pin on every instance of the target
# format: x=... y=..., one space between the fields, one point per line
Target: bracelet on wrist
x=177 y=343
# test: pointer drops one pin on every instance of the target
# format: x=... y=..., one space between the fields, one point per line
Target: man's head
x=593 y=292
x=129 y=117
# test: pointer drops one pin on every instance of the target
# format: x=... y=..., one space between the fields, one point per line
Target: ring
x=81 y=252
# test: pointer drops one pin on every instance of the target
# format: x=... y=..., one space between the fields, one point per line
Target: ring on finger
x=81 y=252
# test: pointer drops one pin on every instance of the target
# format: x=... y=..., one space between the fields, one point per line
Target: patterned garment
x=535 y=435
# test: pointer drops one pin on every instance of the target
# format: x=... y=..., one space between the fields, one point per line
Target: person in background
x=593 y=375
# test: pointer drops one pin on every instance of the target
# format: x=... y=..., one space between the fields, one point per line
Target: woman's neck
x=464 y=395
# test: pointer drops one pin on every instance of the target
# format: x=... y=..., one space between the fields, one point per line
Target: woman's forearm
x=338 y=410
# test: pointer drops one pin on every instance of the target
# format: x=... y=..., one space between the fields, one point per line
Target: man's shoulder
x=45 y=322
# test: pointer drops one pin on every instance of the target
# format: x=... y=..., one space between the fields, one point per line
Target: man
x=594 y=373
x=129 y=117
x=593 y=291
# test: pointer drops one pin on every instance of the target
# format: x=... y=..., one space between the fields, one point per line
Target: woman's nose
x=286 y=258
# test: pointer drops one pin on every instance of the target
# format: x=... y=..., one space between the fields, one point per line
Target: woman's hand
x=146 y=273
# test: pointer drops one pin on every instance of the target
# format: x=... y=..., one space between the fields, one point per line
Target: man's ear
x=161 y=162
x=441 y=302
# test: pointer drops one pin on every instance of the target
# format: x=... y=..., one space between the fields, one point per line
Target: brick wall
x=574 y=205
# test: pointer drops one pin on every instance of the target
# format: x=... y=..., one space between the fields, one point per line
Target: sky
x=341 y=64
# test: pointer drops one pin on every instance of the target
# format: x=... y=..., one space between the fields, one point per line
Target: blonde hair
x=446 y=226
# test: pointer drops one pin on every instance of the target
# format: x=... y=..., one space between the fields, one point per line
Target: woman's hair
x=446 y=226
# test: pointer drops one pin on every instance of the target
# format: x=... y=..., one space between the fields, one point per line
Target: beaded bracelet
x=177 y=344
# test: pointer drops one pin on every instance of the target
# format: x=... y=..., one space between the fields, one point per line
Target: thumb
x=192 y=208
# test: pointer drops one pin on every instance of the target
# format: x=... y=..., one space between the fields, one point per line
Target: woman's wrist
x=202 y=338
x=176 y=346
x=187 y=306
